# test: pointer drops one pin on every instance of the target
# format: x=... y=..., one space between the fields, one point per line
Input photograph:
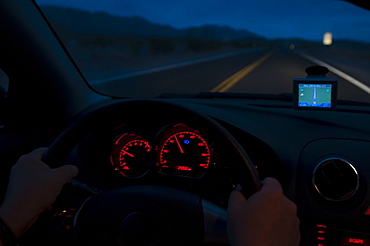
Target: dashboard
x=175 y=149
x=321 y=158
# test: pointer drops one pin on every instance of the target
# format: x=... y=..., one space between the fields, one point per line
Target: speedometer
x=183 y=152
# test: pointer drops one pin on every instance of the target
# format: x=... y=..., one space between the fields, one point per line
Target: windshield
x=141 y=48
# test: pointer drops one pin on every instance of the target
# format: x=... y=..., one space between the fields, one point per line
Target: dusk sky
x=308 y=19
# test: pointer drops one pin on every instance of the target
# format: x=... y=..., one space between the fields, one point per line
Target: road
x=256 y=71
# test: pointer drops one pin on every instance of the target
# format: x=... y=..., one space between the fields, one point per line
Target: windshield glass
x=141 y=48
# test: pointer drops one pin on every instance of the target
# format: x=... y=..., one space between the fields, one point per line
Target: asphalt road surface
x=259 y=71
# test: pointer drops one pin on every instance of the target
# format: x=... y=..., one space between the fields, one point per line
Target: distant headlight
x=328 y=39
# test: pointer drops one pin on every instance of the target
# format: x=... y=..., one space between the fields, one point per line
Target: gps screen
x=315 y=95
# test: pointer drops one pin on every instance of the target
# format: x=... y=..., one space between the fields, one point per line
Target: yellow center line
x=226 y=84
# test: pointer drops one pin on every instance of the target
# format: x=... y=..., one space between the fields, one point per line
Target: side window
x=4 y=84
x=4 y=80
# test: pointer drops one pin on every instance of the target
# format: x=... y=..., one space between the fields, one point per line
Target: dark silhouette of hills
x=79 y=21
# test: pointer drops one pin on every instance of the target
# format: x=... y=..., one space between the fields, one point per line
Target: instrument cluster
x=176 y=150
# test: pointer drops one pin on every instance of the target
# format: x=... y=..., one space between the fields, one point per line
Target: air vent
x=335 y=179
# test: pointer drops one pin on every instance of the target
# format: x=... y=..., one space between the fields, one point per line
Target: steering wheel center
x=138 y=228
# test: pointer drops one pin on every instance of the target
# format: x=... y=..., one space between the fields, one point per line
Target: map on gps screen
x=314 y=95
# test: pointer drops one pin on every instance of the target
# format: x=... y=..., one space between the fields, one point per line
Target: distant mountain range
x=79 y=21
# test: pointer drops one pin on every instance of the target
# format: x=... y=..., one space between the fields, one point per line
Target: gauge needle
x=131 y=155
x=178 y=143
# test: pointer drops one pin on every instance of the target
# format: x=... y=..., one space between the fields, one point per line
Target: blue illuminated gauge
x=183 y=153
x=131 y=155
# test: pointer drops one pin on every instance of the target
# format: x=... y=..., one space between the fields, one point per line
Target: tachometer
x=183 y=152
x=131 y=155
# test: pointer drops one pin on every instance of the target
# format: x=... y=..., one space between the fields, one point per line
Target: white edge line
x=163 y=68
x=336 y=71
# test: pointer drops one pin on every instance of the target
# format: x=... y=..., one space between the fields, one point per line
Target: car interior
x=159 y=170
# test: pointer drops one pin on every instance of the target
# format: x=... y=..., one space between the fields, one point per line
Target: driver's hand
x=267 y=218
x=33 y=187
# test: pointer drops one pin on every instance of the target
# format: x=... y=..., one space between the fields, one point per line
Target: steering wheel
x=149 y=214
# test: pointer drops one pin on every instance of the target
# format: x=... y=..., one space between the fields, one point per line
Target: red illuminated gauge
x=184 y=153
x=131 y=155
